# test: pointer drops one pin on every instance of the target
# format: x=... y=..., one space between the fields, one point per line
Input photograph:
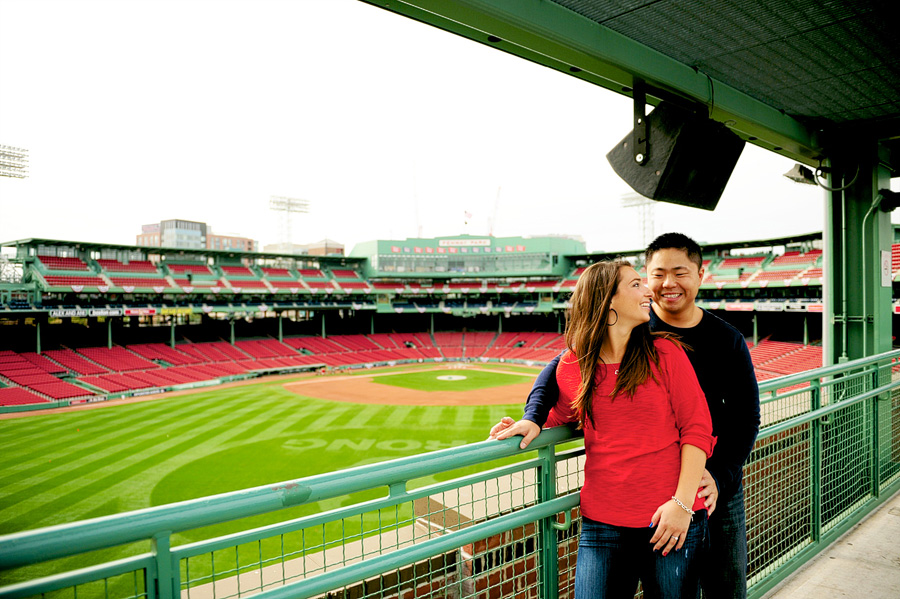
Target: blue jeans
x=612 y=559
x=724 y=574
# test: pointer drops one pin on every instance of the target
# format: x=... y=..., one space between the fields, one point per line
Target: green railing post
x=166 y=575
x=816 y=462
x=151 y=577
x=549 y=551
x=876 y=464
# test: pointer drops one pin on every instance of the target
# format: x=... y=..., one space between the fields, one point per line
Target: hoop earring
x=613 y=310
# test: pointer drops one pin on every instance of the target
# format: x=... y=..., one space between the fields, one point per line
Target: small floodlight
x=801 y=174
x=13 y=162
x=890 y=200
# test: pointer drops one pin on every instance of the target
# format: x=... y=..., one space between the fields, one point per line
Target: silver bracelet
x=682 y=506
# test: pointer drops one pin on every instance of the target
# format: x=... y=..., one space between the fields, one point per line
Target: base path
x=362 y=389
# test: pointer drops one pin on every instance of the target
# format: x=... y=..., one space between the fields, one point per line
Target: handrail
x=63 y=540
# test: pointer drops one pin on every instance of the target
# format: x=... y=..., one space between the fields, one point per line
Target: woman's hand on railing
x=507 y=427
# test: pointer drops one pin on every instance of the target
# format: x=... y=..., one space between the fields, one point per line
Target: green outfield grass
x=71 y=466
x=431 y=380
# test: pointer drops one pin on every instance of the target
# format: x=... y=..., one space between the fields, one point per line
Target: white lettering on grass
x=368 y=444
x=399 y=445
x=360 y=445
x=303 y=444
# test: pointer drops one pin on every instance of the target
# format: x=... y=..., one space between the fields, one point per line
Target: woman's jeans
x=611 y=560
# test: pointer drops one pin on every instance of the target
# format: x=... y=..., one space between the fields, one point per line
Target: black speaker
x=689 y=158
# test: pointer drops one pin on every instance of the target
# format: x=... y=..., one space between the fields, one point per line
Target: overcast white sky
x=138 y=111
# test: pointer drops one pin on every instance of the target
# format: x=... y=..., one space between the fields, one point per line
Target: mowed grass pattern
x=66 y=467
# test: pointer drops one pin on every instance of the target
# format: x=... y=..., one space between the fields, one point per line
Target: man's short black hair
x=675 y=241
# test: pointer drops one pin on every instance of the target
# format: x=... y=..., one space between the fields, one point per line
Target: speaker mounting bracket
x=639 y=137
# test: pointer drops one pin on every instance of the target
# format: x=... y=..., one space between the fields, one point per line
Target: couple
x=668 y=401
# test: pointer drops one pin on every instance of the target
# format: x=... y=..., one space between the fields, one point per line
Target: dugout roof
x=793 y=76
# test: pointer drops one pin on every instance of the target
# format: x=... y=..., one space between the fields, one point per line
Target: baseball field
x=84 y=463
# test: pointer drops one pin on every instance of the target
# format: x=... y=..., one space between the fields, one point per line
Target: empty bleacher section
x=195 y=270
x=82 y=373
x=340 y=273
x=74 y=281
x=17 y=396
x=778 y=358
x=18 y=372
x=67 y=264
x=795 y=258
x=281 y=280
x=241 y=278
x=74 y=362
x=538 y=347
x=131 y=283
x=135 y=266
x=450 y=344
x=191 y=276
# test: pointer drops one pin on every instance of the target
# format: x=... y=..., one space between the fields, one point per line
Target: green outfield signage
x=468 y=256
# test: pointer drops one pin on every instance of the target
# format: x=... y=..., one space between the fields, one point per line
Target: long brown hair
x=587 y=320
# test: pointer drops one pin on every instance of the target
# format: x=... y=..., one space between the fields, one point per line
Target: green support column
x=323 y=323
x=755 y=329
x=231 y=322
x=500 y=323
x=372 y=324
x=806 y=329
x=37 y=340
x=857 y=239
x=172 y=333
x=432 y=324
x=280 y=327
x=857 y=235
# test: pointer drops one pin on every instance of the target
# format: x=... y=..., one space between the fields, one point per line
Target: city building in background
x=189 y=234
x=323 y=247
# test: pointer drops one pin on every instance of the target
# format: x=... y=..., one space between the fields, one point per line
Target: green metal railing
x=828 y=453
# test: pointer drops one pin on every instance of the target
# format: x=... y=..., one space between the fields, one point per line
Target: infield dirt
x=361 y=389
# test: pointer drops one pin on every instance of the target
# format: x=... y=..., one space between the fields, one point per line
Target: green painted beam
x=549 y=34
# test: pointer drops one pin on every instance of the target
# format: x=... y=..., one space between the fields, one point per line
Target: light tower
x=645 y=207
x=289 y=207
x=13 y=162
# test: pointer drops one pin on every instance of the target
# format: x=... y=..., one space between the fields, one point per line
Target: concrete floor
x=865 y=562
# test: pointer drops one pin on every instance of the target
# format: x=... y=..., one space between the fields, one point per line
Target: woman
x=647 y=434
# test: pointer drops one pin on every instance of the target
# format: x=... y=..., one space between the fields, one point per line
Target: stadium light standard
x=13 y=162
x=645 y=208
x=289 y=206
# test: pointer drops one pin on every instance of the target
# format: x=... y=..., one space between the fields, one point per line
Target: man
x=722 y=363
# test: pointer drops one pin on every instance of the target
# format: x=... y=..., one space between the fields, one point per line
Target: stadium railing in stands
x=828 y=453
